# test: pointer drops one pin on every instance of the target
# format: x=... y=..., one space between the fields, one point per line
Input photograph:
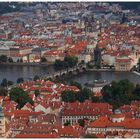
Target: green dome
x=90 y=46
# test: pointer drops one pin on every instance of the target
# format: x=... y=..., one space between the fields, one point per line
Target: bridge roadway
x=63 y=72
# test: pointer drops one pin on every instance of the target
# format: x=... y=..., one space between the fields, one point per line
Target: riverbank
x=46 y=65
x=101 y=70
x=25 y=64
x=135 y=72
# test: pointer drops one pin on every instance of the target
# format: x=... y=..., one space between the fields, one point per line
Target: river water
x=14 y=72
x=108 y=76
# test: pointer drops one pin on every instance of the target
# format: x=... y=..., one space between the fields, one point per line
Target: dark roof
x=39 y=49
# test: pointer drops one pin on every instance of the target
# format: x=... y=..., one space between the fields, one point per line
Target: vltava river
x=14 y=72
x=107 y=75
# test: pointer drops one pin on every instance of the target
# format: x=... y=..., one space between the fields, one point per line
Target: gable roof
x=104 y=122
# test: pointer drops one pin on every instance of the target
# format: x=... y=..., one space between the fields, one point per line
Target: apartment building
x=72 y=112
x=116 y=122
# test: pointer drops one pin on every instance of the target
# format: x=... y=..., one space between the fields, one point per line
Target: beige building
x=123 y=64
x=116 y=122
x=5 y=47
x=109 y=58
x=20 y=50
x=5 y=51
x=54 y=55
x=19 y=57
x=84 y=57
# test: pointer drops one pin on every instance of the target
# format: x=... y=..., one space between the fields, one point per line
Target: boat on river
x=96 y=83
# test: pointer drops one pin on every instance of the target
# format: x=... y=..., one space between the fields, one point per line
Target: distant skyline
x=6 y=7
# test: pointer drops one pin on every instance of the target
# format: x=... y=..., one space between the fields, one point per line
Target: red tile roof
x=36 y=136
x=70 y=132
x=37 y=128
x=87 y=109
x=104 y=122
x=100 y=135
x=25 y=113
x=123 y=60
x=54 y=53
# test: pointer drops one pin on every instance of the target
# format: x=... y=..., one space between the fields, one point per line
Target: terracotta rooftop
x=104 y=122
x=36 y=136
x=87 y=109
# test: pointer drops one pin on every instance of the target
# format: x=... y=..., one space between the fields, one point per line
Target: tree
x=74 y=83
x=3 y=58
x=3 y=91
x=71 y=60
x=4 y=82
x=36 y=92
x=90 y=66
x=82 y=62
x=67 y=123
x=86 y=93
x=80 y=97
x=20 y=80
x=137 y=92
x=98 y=65
x=68 y=96
x=21 y=60
x=119 y=93
x=43 y=59
x=49 y=79
x=65 y=65
x=36 y=77
x=95 y=99
x=58 y=65
x=10 y=60
x=107 y=93
x=71 y=96
x=10 y=83
x=81 y=122
x=20 y=96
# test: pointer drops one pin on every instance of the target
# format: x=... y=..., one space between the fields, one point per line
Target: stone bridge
x=64 y=72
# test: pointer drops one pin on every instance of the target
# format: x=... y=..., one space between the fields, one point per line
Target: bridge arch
x=56 y=76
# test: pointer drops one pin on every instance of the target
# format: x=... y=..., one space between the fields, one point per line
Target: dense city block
x=69 y=39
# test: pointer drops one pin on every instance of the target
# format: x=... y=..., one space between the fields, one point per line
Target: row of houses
x=50 y=115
